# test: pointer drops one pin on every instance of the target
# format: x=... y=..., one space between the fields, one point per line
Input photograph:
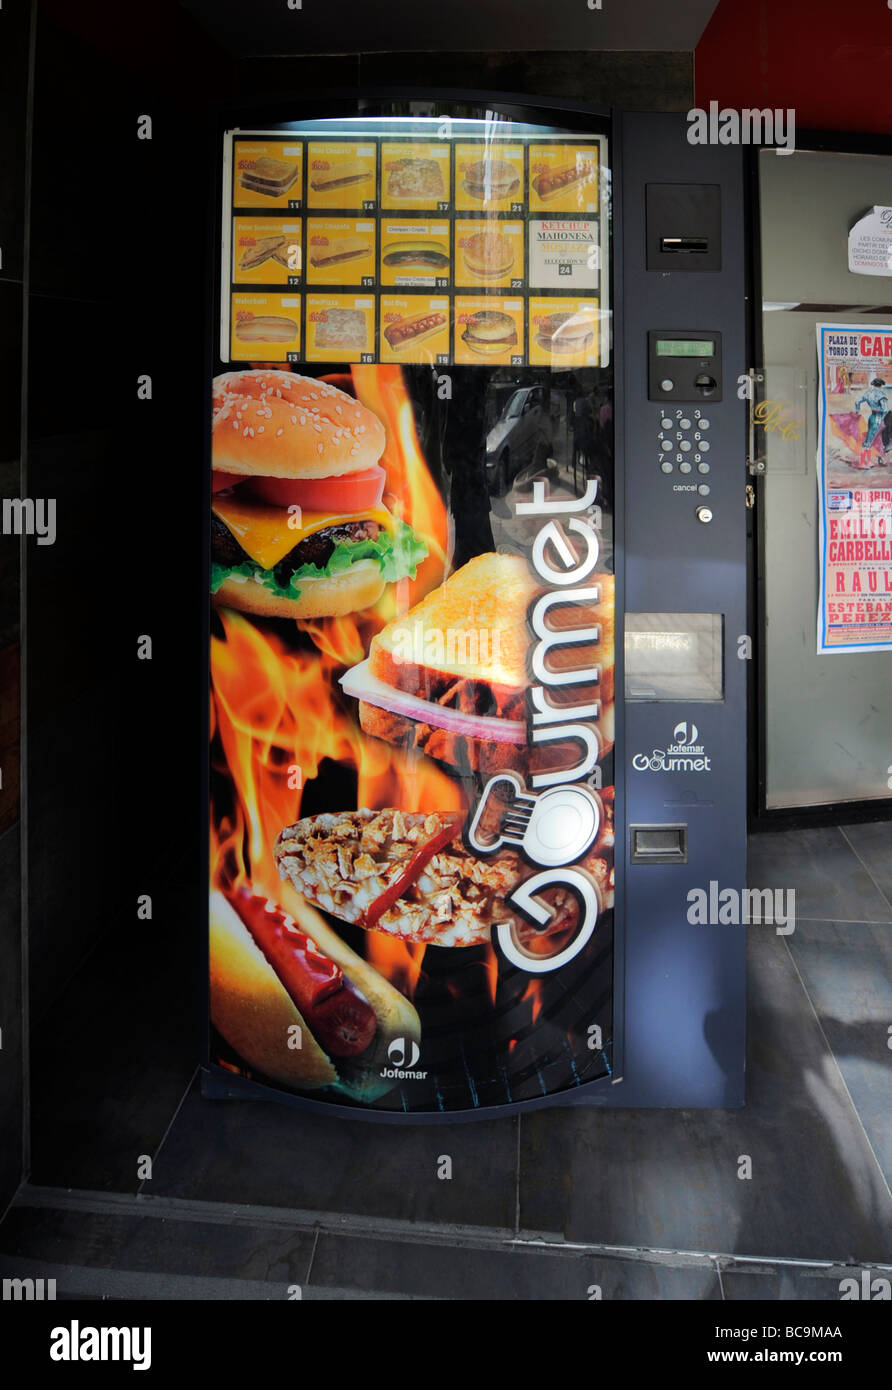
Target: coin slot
x=685 y=245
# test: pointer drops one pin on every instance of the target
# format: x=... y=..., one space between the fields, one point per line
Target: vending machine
x=477 y=566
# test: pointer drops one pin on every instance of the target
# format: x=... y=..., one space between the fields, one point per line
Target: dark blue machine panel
x=685 y=531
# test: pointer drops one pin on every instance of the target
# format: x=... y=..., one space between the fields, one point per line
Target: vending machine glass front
x=412 y=632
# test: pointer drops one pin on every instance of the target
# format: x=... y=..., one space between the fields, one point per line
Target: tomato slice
x=221 y=480
x=348 y=492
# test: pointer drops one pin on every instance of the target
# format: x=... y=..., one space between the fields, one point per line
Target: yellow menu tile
x=414 y=328
x=340 y=251
x=341 y=174
x=489 y=178
x=489 y=253
x=265 y=327
x=563 y=332
x=415 y=252
x=415 y=174
x=266 y=251
x=563 y=178
x=488 y=328
x=267 y=174
x=340 y=328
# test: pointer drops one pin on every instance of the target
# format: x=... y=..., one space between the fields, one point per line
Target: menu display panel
x=453 y=214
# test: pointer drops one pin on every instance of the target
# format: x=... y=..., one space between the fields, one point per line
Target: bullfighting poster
x=854 y=462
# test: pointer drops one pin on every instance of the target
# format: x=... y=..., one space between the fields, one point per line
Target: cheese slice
x=267 y=533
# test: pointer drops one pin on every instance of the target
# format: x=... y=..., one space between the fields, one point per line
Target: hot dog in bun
x=295 y=1002
x=551 y=183
x=414 y=329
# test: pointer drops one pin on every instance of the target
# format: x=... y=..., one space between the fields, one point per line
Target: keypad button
x=685 y=424
x=704 y=446
x=666 y=466
x=702 y=467
x=685 y=445
x=703 y=490
x=666 y=445
x=684 y=467
x=702 y=424
x=666 y=424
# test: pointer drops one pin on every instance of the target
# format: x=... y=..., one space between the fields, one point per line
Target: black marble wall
x=15 y=28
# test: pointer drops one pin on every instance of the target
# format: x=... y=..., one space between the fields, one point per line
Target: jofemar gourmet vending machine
x=477 y=531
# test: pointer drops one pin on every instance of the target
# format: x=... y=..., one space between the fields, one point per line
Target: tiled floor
x=247 y=1198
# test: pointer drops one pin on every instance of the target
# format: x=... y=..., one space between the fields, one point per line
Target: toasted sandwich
x=347 y=248
x=451 y=676
x=254 y=255
x=271 y=177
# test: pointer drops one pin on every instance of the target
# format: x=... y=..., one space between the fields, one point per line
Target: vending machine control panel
x=683 y=441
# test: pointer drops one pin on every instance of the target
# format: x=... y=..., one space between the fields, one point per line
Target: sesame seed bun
x=350 y=592
x=275 y=424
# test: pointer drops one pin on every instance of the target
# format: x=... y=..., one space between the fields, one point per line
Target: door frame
x=761 y=817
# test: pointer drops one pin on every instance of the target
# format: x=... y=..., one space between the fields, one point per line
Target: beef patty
x=313 y=550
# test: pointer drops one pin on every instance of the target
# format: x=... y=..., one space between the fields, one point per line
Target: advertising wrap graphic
x=854 y=465
x=412 y=680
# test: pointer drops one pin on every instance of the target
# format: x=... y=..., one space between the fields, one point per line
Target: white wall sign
x=870 y=243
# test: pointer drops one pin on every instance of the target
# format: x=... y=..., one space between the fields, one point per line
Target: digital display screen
x=685 y=347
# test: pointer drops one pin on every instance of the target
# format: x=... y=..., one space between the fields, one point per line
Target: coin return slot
x=659 y=844
x=685 y=245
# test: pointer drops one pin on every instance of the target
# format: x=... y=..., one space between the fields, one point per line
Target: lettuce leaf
x=397 y=557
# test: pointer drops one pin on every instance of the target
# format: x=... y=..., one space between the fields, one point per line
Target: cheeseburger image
x=298 y=529
x=489 y=179
x=489 y=331
x=489 y=255
x=566 y=333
